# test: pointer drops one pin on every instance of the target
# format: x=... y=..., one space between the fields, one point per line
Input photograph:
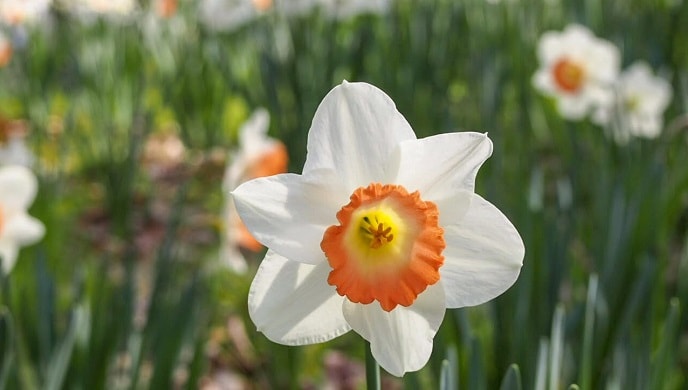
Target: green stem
x=372 y=370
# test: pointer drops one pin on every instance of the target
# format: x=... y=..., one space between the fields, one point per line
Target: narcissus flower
x=640 y=101
x=5 y=50
x=18 y=188
x=345 y=9
x=258 y=156
x=229 y=15
x=380 y=233
x=577 y=69
x=18 y=12
x=87 y=10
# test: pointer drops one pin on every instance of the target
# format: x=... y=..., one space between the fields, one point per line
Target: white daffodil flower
x=5 y=50
x=89 y=10
x=229 y=15
x=18 y=12
x=345 y=9
x=380 y=233
x=258 y=156
x=641 y=98
x=577 y=69
x=15 y=152
x=18 y=187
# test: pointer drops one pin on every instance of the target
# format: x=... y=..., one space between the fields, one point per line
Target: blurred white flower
x=87 y=10
x=380 y=234
x=641 y=98
x=229 y=15
x=5 y=50
x=258 y=156
x=345 y=9
x=165 y=8
x=18 y=187
x=18 y=12
x=577 y=69
x=13 y=149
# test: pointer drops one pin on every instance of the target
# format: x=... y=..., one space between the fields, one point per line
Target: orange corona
x=270 y=162
x=568 y=75
x=387 y=248
x=262 y=5
x=166 y=8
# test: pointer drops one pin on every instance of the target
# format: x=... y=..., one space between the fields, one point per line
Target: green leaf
x=59 y=362
x=589 y=328
x=512 y=379
x=557 y=350
x=6 y=338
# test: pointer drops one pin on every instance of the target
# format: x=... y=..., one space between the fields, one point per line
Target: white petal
x=550 y=47
x=231 y=257
x=400 y=340
x=18 y=187
x=355 y=130
x=542 y=81
x=289 y=213
x=443 y=167
x=483 y=257
x=8 y=255
x=573 y=107
x=292 y=304
x=253 y=135
x=22 y=229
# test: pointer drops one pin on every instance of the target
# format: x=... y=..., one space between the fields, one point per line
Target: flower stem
x=372 y=370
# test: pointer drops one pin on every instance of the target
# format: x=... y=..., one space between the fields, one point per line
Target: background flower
x=258 y=156
x=577 y=69
x=5 y=49
x=18 y=12
x=640 y=101
x=18 y=188
x=228 y=15
x=345 y=9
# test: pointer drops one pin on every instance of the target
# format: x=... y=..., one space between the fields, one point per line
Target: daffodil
x=258 y=155
x=19 y=12
x=13 y=149
x=641 y=98
x=345 y=9
x=229 y=15
x=577 y=69
x=381 y=233
x=5 y=50
x=18 y=187
x=89 y=10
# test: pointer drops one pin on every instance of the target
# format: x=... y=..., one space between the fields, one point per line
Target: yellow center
x=2 y=219
x=388 y=246
x=632 y=103
x=375 y=230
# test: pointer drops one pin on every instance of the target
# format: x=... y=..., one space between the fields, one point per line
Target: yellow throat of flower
x=387 y=248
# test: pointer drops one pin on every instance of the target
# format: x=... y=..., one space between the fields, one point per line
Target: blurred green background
x=127 y=290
